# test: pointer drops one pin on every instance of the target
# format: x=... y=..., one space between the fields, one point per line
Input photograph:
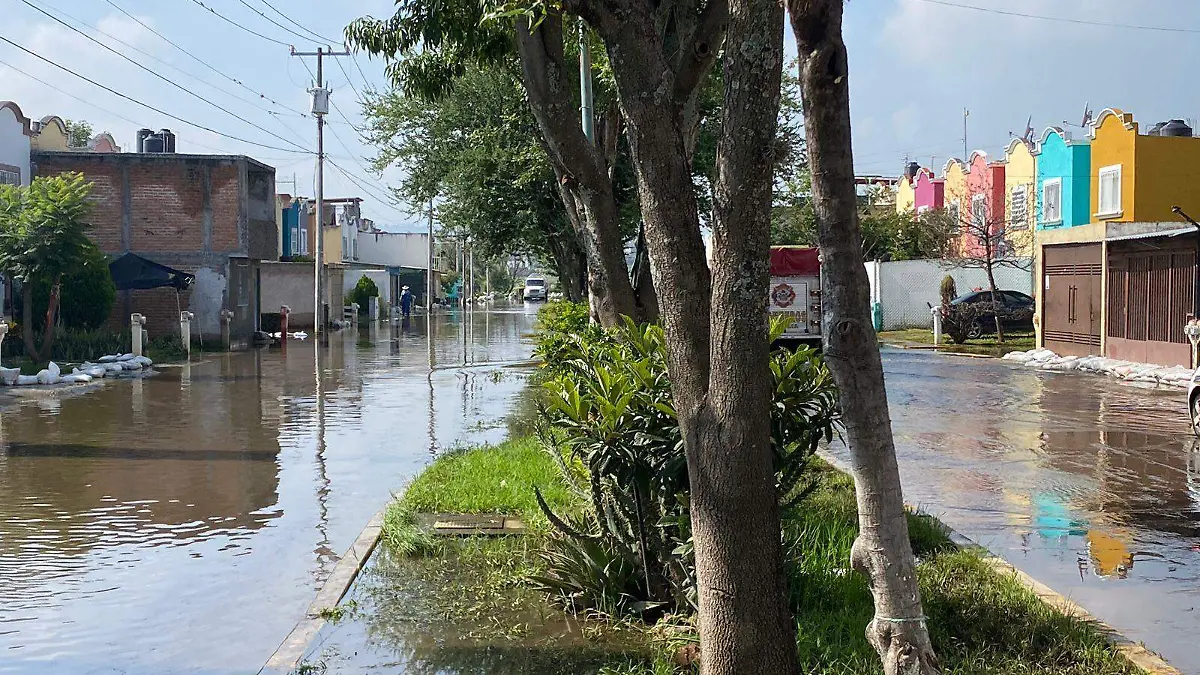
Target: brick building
x=210 y=215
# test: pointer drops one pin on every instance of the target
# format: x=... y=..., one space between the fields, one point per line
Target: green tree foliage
x=88 y=293
x=79 y=133
x=42 y=238
x=362 y=293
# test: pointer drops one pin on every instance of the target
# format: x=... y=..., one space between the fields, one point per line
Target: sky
x=915 y=65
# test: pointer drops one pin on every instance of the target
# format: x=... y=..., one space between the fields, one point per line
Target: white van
x=535 y=289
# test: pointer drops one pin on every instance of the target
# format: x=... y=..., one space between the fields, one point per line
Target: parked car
x=1015 y=310
x=535 y=289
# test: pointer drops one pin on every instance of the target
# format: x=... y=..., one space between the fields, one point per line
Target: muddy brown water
x=1090 y=485
x=182 y=523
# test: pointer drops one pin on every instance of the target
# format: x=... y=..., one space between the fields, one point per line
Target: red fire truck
x=795 y=290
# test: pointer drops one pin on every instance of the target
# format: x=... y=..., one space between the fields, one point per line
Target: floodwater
x=1088 y=484
x=183 y=523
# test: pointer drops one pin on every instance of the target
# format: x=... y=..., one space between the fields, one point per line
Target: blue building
x=1064 y=168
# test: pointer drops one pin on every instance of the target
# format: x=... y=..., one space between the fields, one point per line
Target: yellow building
x=1137 y=178
x=1020 y=195
x=957 y=193
x=905 y=195
x=51 y=135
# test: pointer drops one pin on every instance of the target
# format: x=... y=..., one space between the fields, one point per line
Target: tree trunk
x=51 y=316
x=716 y=325
x=997 y=307
x=882 y=550
x=745 y=623
x=583 y=175
x=27 y=328
x=569 y=264
x=643 y=281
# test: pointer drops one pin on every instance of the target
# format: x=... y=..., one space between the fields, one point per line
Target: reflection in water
x=182 y=523
x=1090 y=485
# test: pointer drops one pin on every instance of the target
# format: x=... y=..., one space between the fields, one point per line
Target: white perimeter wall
x=906 y=288
x=397 y=249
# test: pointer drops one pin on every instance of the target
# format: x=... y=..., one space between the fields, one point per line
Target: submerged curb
x=287 y=657
x=1134 y=653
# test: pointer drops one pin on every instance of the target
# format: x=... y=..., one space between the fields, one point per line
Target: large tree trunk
x=882 y=550
x=745 y=624
x=27 y=328
x=583 y=174
x=716 y=326
x=569 y=264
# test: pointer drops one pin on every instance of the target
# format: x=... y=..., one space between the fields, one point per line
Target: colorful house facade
x=1064 y=167
x=905 y=195
x=1021 y=202
x=929 y=193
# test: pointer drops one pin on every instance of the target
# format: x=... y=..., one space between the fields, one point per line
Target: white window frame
x=1057 y=218
x=1023 y=190
x=8 y=177
x=979 y=214
x=1115 y=206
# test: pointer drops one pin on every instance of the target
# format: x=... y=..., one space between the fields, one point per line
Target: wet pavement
x=1090 y=485
x=182 y=523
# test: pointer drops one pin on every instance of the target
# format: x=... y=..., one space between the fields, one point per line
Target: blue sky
x=915 y=65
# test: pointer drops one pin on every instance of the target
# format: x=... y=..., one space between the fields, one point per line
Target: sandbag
x=45 y=376
x=9 y=376
x=27 y=379
x=76 y=378
x=110 y=358
x=125 y=357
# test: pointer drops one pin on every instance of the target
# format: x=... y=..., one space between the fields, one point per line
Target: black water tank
x=153 y=143
x=1156 y=130
x=168 y=139
x=1175 y=128
x=911 y=169
x=142 y=134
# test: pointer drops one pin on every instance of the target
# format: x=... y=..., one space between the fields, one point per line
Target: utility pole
x=966 y=114
x=429 y=268
x=320 y=108
x=585 y=85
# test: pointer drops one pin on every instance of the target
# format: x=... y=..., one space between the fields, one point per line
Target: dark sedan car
x=1015 y=310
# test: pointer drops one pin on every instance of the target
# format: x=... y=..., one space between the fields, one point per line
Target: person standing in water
x=406 y=302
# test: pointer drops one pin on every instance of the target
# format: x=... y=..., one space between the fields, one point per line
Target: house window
x=1052 y=201
x=1019 y=203
x=10 y=177
x=978 y=211
x=1110 y=191
x=301 y=243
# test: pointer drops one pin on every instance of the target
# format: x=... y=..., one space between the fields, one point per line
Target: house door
x=1071 y=306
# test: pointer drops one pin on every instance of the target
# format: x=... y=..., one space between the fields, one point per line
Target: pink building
x=929 y=193
x=985 y=185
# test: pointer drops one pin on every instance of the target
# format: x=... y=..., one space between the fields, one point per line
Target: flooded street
x=1090 y=485
x=182 y=523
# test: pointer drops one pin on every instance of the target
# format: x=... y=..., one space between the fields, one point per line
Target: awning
x=1179 y=231
x=133 y=272
x=795 y=261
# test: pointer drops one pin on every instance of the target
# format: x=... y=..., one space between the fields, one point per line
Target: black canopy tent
x=132 y=272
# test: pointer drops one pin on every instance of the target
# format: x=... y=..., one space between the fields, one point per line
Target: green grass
x=981 y=622
x=986 y=345
x=490 y=479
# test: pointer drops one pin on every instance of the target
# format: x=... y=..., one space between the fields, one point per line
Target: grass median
x=981 y=621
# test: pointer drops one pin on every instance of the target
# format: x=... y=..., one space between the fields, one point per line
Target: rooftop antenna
x=1087 y=114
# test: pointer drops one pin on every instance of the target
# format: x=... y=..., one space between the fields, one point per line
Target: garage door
x=1071 y=305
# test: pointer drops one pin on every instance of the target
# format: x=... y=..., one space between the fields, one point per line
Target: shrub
x=560 y=324
x=610 y=423
x=74 y=345
x=362 y=293
x=87 y=294
x=949 y=290
x=958 y=320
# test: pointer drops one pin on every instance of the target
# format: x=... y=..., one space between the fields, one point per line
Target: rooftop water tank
x=142 y=134
x=1175 y=128
x=153 y=143
x=168 y=140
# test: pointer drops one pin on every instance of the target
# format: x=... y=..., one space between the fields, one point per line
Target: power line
x=165 y=63
x=293 y=22
x=274 y=22
x=240 y=26
x=199 y=60
x=147 y=105
x=162 y=77
x=1062 y=19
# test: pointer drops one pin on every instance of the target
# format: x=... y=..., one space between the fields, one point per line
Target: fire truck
x=795 y=291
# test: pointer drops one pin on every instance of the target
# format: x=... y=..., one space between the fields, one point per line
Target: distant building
x=209 y=215
x=929 y=193
x=15 y=143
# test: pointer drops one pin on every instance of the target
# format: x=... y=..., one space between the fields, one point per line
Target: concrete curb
x=1137 y=655
x=287 y=657
x=934 y=350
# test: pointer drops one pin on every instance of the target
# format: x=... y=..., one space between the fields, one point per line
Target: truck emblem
x=783 y=295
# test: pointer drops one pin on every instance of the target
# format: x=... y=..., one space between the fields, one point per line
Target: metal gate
x=1072 y=281
x=1151 y=284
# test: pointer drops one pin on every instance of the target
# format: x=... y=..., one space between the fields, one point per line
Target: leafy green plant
x=362 y=293
x=585 y=573
x=610 y=422
x=87 y=294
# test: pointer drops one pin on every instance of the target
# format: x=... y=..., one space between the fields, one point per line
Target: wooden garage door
x=1072 y=277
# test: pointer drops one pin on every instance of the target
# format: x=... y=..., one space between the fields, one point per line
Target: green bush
x=87 y=294
x=609 y=417
x=561 y=324
x=73 y=345
x=362 y=293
